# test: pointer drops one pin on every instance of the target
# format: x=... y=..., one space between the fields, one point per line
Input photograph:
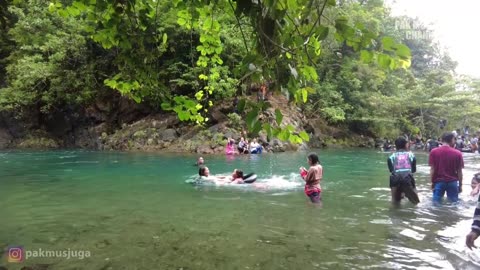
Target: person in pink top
x=312 y=178
x=446 y=164
x=230 y=147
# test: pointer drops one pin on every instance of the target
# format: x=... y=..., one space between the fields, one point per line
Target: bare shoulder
x=316 y=168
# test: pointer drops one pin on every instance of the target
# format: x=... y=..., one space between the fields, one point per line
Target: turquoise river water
x=136 y=211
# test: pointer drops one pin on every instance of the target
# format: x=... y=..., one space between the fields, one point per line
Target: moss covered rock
x=38 y=143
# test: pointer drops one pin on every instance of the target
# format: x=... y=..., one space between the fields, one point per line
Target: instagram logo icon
x=15 y=254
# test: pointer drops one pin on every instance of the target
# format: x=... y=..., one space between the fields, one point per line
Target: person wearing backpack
x=402 y=164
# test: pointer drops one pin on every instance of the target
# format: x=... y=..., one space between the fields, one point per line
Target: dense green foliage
x=346 y=61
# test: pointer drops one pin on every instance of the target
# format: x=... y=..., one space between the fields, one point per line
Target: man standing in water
x=446 y=164
x=402 y=164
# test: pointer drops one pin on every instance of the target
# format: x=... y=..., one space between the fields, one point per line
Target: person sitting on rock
x=255 y=147
x=230 y=148
x=242 y=146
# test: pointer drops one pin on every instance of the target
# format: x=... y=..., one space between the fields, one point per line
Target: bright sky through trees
x=454 y=24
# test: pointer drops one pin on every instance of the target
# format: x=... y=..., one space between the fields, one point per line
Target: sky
x=454 y=24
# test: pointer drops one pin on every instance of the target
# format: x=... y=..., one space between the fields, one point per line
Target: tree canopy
x=345 y=61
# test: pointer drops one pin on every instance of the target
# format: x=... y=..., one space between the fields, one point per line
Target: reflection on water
x=134 y=211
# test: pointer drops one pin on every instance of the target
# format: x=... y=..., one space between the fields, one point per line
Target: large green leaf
x=322 y=32
x=166 y=106
x=278 y=116
x=284 y=135
x=256 y=128
x=366 y=56
x=384 y=61
x=403 y=51
x=292 y=4
x=388 y=43
x=268 y=129
x=304 y=135
x=241 y=105
x=304 y=95
x=251 y=118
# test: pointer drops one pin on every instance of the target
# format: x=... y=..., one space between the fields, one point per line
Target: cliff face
x=119 y=124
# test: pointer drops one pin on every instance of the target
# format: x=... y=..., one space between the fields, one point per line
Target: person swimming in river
x=200 y=161
x=312 y=178
x=402 y=164
x=235 y=178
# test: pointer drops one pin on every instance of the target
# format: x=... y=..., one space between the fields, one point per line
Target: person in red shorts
x=312 y=178
x=446 y=164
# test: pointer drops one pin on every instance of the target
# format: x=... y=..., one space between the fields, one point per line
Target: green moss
x=38 y=143
x=205 y=134
x=234 y=120
x=218 y=139
x=140 y=134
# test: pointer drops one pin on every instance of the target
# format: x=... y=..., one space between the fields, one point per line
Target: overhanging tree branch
x=239 y=25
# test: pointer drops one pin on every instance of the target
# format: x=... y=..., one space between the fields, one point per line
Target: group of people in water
x=463 y=143
x=446 y=176
x=446 y=164
x=237 y=177
x=312 y=177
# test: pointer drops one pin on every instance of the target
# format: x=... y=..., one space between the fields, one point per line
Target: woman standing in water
x=312 y=178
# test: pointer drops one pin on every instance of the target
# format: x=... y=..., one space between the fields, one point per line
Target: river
x=136 y=211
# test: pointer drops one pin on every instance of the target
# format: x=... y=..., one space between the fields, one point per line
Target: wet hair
x=448 y=137
x=313 y=158
x=201 y=170
x=239 y=174
x=401 y=143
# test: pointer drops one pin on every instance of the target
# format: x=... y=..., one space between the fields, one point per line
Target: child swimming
x=235 y=178
x=475 y=184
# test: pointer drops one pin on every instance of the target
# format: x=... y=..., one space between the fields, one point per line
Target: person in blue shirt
x=402 y=164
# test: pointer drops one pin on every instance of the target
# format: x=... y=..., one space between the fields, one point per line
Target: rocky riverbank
x=164 y=132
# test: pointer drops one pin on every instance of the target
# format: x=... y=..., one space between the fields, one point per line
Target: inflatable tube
x=250 y=178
